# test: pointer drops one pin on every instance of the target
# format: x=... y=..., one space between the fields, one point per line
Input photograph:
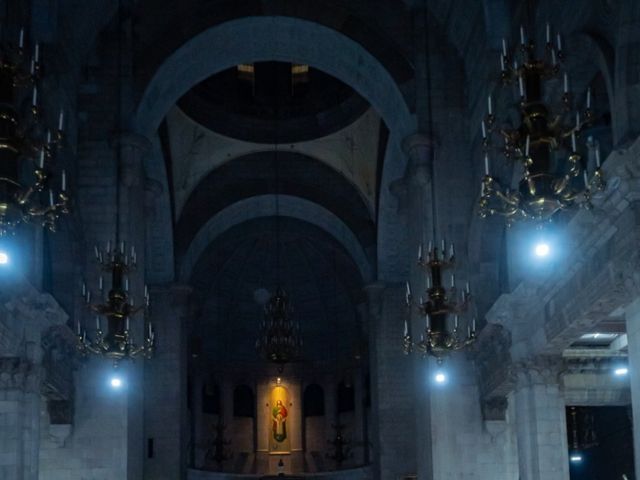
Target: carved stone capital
x=19 y=374
x=495 y=409
x=538 y=370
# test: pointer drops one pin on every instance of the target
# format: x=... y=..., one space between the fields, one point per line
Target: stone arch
x=286 y=39
x=264 y=206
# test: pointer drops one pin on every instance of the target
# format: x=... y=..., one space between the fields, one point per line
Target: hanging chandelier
x=441 y=309
x=26 y=197
x=279 y=339
x=114 y=339
x=555 y=175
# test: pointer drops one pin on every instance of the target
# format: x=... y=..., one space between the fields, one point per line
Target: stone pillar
x=198 y=438
x=632 y=314
x=25 y=316
x=540 y=419
x=165 y=418
x=330 y=406
x=392 y=410
x=358 y=428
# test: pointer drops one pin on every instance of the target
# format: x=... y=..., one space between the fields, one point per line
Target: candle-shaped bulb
x=473 y=325
x=490 y=105
x=527 y=144
x=554 y=60
x=428 y=321
x=522 y=39
x=96 y=251
x=122 y=248
x=451 y=251
x=453 y=280
x=486 y=163
x=64 y=180
x=484 y=130
x=521 y=86
x=566 y=83
x=79 y=328
x=559 y=41
x=61 y=120
x=51 y=202
x=577 y=120
x=420 y=251
x=84 y=289
x=126 y=324
x=468 y=288
x=41 y=159
x=97 y=322
x=408 y=294
x=548 y=33
x=455 y=322
x=585 y=178
x=502 y=65
x=443 y=247
x=504 y=47
x=21 y=39
x=573 y=141
x=406 y=328
x=588 y=98
x=101 y=283
x=598 y=156
x=34 y=97
x=108 y=246
x=126 y=284
x=36 y=54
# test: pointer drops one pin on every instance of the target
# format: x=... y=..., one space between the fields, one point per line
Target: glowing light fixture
x=575 y=458
x=440 y=377
x=542 y=249
x=116 y=382
x=4 y=258
x=621 y=371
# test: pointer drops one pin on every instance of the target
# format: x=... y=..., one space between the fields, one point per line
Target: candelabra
x=279 y=341
x=116 y=342
x=26 y=198
x=545 y=142
x=442 y=303
x=341 y=446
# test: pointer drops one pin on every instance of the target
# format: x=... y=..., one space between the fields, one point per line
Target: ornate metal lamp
x=555 y=175
x=116 y=342
x=441 y=309
x=23 y=138
x=279 y=339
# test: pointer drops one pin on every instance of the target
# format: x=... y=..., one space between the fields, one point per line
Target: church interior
x=320 y=239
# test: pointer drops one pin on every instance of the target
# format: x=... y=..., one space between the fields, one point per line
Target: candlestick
x=522 y=35
x=598 y=156
x=468 y=288
x=566 y=83
x=486 y=164
x=84 y=289
x=51 y=197
x=122 y=248
x=473 y=325
x=502 y=66
x=97 y=322
x=504 y=47
x=527 y=144
x=36 y=55
x=79 y=328
x=484 y=130
x=490 y=104
x=577 y=120
x=455 y=322
x=554 y=60
x=64 y=181
x=21 y=39
x=406 y=328
x=126 y=324
x=420 y=251
x=585 y=178
x=34 y=97
x=95 y=250
x=407 y=296
x=453 y=280
x=559 y=40
x=428 y=320
x=443 y=247
x=573 y=141
x=451 y=251
x=588 y=98
x=101 y=283
x=61 y=120
x=41 y=159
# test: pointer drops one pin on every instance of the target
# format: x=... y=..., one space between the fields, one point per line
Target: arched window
x=243 y=402
x=346 y=398
x=313 y=401
x=211 y=399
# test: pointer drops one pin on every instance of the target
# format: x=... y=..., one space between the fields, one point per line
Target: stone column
x=392 y=411
x=540 y=419
x=197 y=419
x=632 y=314
x=165 y=412
x=330 y=406
x=25 y=316
x=359 y=417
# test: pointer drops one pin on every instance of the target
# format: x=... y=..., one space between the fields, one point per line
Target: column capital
x=131 y=139
x=416 y=142
x=537 y=370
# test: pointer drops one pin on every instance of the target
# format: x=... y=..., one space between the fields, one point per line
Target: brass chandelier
x=441 y=309
x=26 y=197
x=555 y=176
x=116 y=341
x=279 y=339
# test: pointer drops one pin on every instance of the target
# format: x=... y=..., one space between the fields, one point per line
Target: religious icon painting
x=279 y=437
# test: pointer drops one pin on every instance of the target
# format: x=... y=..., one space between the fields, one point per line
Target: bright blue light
x=4 y=258
x=621 y=371
x=440 y=377
x=116 y=382
x=542 y=249
x=575 y=458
